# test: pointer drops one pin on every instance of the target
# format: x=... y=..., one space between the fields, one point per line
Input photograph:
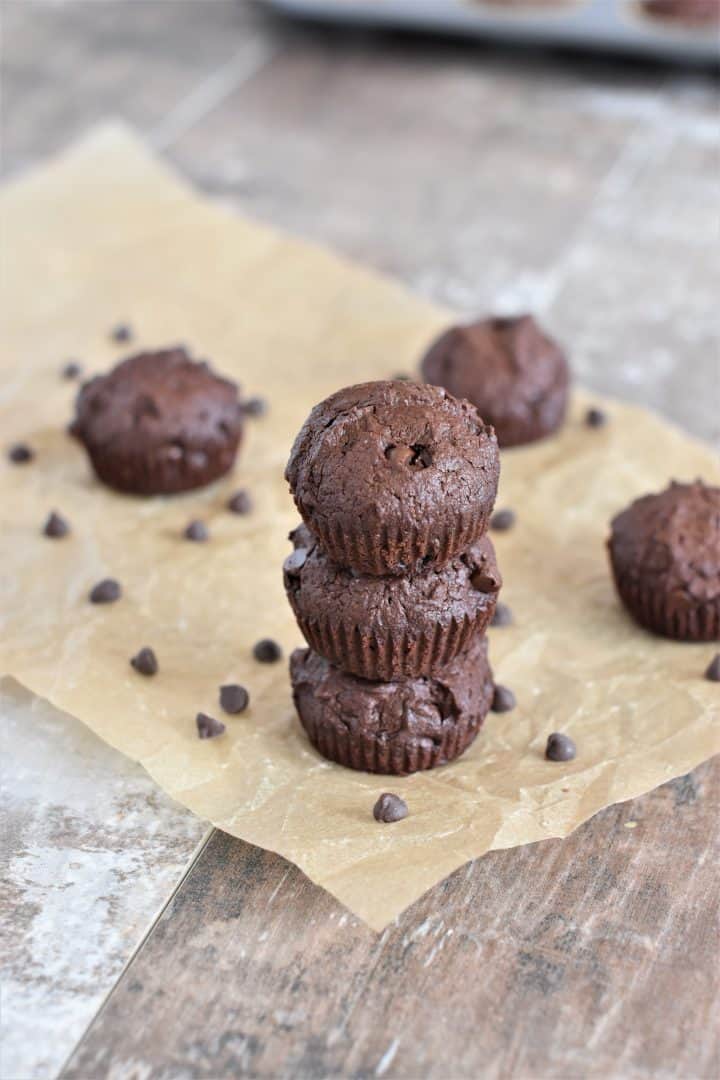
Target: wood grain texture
x=595 y=956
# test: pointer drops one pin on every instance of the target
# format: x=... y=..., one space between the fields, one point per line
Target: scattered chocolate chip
x=255 y=406
x=390 y=808
x=596 y=418
x=145 y=662
x=560 y=747
x=502 y=520
x=503 y=615
x=71 y=370
x=197 y=531
x=20 y=453
x=121 y=333
x=713 y=670
x=208 y=727
x=267 y=651
x=106 y=591
x=234 y=698
x=240 y=503
x=503 y=699
x=401 y=376
x=56 y=526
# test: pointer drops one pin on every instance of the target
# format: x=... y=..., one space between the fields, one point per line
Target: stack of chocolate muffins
x=392 y=578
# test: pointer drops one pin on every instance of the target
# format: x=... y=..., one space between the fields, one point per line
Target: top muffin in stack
x=392 y=579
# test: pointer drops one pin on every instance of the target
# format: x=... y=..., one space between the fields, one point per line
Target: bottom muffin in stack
x=392 y=727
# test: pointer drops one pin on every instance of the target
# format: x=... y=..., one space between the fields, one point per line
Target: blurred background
x=553 y=155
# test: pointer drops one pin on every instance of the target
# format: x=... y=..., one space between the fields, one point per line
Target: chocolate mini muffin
x=394 y=728
x=391 y=476
x=159 y=423
x=391 y=627
x=687 y=13
x=514 y=373
x=665 y=555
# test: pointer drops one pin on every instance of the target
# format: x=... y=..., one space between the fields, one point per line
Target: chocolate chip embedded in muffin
x=665 y=557
x=391 y=476
x=390 y=627
x=514 y=373
x=397 y=727
x=390 y=808
x=159 y=423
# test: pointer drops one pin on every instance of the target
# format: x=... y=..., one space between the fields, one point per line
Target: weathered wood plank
x=595 y=956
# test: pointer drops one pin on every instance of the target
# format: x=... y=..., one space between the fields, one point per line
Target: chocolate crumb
x=240 y=503
x=503 y=700
x=121 y=333
x=560 y=747
x=502 y=520
x=106 y=591
x=197 y=531
x=503 y=615
x=145 y=662
x=390 y=808
x=71 y=370
x=255 y=406
x=56 y=526
x=267 y=651
x=713 y=670
x=20 y=453
x=208 y=727
x=234 y=698
x=596 y=418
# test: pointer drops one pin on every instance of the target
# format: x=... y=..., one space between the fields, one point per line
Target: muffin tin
x=597 y=24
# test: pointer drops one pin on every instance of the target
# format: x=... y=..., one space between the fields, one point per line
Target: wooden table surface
x=138 y=943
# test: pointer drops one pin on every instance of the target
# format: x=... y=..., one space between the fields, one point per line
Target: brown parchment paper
x=106 y=234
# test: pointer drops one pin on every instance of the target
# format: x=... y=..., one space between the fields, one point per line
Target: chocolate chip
x=503 y=616
x=295 y=562
x=106 y=591
x=713 y=671
x=596 y=418
x=208 y=727
x=56 y=527
x=71 y=370
x=234 y=698
x=121 y=333
x=197 y=531
x=503 y=699
x=20 y=453
x=255 y=406
x=400 y=376
x=560 y=747
x=502 y=520
x=145 y=662
x=484 y=582
x=267 y=651
x=240 y=503
x=390 y=808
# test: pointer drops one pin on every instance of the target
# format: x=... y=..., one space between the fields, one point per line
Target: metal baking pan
x=598 y=24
